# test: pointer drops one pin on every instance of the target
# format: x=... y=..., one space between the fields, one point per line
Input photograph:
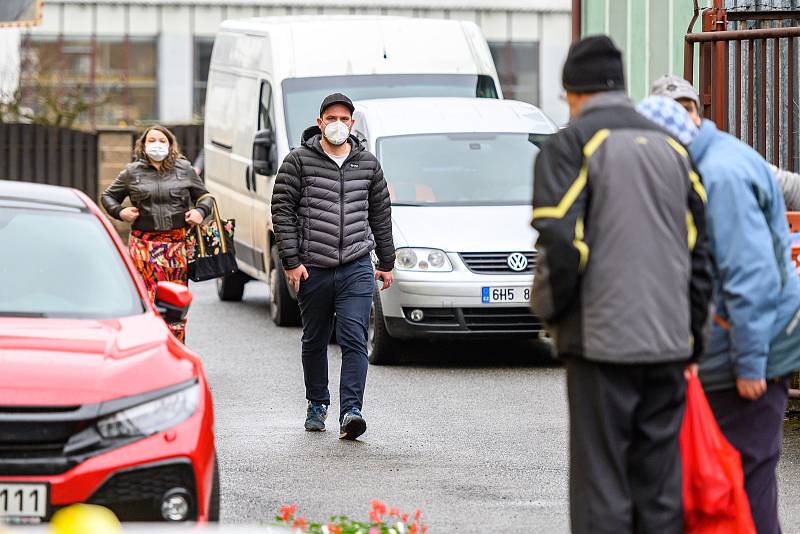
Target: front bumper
x=453 y=308
x=132 y=479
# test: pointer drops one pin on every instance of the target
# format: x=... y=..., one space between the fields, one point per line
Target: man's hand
x=194 y=217
x=129 y=214
x=297 y=275
x=751 y=389
x=386 y=277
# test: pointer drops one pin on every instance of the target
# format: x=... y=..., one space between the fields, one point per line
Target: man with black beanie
x=622 y=281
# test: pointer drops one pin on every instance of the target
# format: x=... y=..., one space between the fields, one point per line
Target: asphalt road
x=474 y=435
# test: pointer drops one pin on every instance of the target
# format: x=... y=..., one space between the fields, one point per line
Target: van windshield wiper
x=405 y=204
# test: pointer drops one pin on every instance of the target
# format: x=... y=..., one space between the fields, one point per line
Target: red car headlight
x=152 y=416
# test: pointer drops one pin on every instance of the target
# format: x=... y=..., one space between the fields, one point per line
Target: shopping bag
x=209 y=247
x=714 y=500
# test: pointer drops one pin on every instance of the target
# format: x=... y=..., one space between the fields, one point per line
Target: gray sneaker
x=353 y=424
x=315 y=417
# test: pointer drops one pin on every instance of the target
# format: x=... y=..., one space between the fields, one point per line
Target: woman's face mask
x=156 y=150
x=337 y=133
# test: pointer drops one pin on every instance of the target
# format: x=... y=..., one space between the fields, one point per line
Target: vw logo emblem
x=517 y=262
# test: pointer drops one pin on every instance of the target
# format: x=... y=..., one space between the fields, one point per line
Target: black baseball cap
x=336 y=98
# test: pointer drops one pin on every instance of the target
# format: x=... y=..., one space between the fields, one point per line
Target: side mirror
x=172 y=301
x=265 y=153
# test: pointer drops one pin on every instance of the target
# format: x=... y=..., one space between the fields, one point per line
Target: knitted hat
x=593 y=64
x=671 y=116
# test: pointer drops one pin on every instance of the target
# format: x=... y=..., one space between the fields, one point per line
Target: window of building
x=517 y=65
x=105 y=81
x=202 y=62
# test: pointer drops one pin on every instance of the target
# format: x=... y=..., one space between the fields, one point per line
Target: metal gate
x=748 y=77
x=49 y=155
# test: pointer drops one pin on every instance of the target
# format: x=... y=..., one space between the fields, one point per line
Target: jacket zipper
x=341 y=212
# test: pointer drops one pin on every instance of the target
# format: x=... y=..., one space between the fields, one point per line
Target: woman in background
x=164 y=191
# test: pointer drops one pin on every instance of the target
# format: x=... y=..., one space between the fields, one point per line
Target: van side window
x=266 y=112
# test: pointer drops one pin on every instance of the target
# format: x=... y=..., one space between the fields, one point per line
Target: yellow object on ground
x=85 y=519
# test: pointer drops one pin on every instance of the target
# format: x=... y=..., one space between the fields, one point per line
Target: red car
x=99 y=403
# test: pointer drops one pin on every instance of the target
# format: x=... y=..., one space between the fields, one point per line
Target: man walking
x=755 y=343
x=622 y=282
x=330 y=210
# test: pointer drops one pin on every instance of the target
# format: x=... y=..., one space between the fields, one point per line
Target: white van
x=267 y=79
x=460 y=177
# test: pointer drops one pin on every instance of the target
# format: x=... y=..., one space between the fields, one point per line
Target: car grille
x=35 y=447
x=495 y=262
x=136 y=495
x=504 y=319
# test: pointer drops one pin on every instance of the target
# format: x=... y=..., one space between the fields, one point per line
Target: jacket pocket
x=179 y=199
x=140 y=199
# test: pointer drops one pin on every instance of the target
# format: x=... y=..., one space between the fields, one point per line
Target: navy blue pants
x=347 y=292
x=755 y=429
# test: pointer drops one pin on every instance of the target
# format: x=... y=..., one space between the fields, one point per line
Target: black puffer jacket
x=325 y=216
x=162 y=199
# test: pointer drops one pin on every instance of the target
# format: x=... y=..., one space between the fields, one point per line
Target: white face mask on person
x=157 y=151
x=337 y=133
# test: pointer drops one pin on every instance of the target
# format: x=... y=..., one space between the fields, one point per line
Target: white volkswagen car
x=460 y=176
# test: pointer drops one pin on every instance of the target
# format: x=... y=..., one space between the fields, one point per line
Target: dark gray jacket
x=325 y=216
x=163 y=200
x=623 y=272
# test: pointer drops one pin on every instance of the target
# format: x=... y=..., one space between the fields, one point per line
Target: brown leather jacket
x=162 y=200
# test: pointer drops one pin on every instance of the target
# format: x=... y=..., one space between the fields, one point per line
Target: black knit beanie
x=593 y=64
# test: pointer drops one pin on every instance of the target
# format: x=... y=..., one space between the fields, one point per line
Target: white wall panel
x=175 y=77
x=552 y=53
x=51 y=20
x=78 y=20
x=144 y=20
x=400 y=12
x=176 y=20
x=207 y=21
x=433 y=13
x=494 y=25
x=525 y=26
x=464 y=14
x=111 y=19
x=241 y=13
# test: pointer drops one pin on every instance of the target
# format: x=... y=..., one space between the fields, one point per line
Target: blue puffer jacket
x=755 y=331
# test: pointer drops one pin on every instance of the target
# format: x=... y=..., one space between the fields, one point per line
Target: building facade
x=148 y=60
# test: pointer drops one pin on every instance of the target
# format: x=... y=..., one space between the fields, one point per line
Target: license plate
x=492 y=295
x=23 y=500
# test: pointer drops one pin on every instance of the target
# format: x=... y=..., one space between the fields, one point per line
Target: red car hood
x=67 y=362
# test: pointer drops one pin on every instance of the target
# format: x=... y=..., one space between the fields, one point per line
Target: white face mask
x=337 y=133
x=157 y=151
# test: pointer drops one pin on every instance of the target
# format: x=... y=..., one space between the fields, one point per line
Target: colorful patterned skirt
x=161 y=257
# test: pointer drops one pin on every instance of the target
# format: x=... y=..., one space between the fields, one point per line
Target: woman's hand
x=194 y=217
x=129 y=214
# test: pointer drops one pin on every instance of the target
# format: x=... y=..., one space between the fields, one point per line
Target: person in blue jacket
x=754 y=342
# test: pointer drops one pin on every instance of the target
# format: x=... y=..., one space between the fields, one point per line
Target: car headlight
x=151 y=417
x=422 y=259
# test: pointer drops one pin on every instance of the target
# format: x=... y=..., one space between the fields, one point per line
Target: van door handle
x=247 y=177
x=252 y=172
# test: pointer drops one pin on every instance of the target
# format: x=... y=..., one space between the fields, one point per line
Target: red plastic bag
x=714 y=500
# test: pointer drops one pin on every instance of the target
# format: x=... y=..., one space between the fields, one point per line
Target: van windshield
x=467 y=169
x=302 y=96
